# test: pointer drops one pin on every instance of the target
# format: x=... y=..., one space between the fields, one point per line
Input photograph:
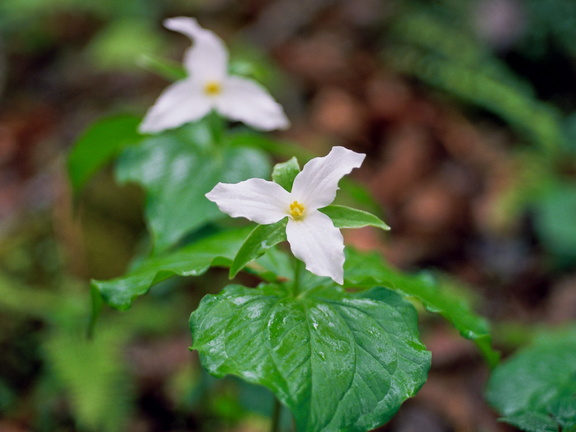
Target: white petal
x=207 y=60
x=247 y=101
x=319 y=244
x=255 y=199
x=316 y=185
x=179 y=103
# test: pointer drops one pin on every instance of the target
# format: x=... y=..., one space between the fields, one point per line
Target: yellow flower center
x=297 y=210
x=212 y=88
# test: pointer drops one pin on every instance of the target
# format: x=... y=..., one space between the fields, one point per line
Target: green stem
x=297 y=272
x=97 y=304
x=216 y=128
x=275 y=425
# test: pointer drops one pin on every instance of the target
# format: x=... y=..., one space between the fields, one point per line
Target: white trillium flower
x=209 y=87
x=312 y=235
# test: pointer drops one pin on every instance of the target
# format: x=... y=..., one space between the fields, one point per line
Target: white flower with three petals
x=312 y=235
x=209 y=87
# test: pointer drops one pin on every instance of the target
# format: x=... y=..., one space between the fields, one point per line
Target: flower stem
x=297 y=273
x=216 y=124
x=276 y=411
x=97 y=303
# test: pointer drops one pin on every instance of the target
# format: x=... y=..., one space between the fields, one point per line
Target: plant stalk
x=276 y=411
x=297 y=273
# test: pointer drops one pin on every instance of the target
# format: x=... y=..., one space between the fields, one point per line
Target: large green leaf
x=177 y=169
x=99 y=144
x=346 y=217
x=339 y=361
x=535 y=389
x=368 y=269
x=191 y=260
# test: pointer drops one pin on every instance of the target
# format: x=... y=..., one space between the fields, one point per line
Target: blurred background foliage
x=448 y=46
x=466 y=109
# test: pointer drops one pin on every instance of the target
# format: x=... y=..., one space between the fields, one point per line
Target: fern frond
x=94 y=377
x=442 y=56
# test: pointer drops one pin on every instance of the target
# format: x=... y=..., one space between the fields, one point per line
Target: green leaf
x=535 y=389
x=241 y=163
x=177 y=169
x=368 y=269
x=260 y=239
x=532 y=422
x=276 y=264
x=168 y=69
x=191 y=260
x=554 y=222
x=279 y=265
x=347 y=217
x=285 y=172
x=99 y=144
x=120 y=43
x=282 y=149
x=339 y=361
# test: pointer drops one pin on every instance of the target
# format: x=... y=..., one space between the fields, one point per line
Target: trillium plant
x=312 y=235
x=332 y=332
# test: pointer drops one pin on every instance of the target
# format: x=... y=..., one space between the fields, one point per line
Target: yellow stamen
x=296 y=210
x=212 y=88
